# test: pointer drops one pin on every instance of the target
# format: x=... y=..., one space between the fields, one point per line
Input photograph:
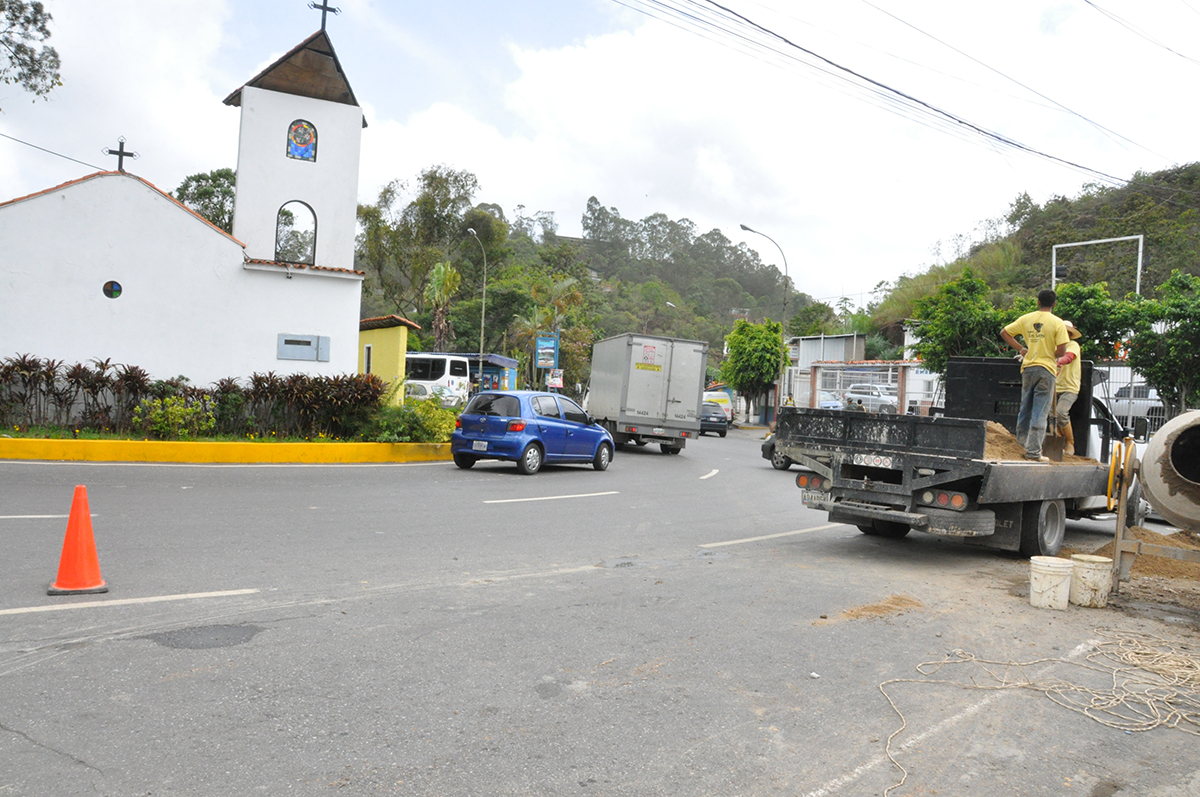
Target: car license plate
x=810 y=497
x=479 y=445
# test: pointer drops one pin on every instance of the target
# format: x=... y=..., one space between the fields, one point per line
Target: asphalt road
x=672 y=626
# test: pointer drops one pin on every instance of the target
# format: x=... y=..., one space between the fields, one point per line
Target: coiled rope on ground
x=1154 y=684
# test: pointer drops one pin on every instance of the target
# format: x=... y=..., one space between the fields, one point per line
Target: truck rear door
x=685 y=383
x=649 y=365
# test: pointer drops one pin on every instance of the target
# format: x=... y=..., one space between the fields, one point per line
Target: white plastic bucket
x=1050 y=582
x=1091 y=580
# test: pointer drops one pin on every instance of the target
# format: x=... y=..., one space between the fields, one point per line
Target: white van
x=446 y=376
x=722 y=398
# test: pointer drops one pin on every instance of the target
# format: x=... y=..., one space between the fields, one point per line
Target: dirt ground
x=1155 y=579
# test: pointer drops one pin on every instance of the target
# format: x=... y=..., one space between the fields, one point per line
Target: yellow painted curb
x=256 y=453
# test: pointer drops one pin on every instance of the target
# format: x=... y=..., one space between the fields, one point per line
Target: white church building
x=110 y=267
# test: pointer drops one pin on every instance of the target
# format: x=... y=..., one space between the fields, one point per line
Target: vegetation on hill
x=664 y=276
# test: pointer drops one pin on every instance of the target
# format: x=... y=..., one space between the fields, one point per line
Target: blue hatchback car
x=529 y=428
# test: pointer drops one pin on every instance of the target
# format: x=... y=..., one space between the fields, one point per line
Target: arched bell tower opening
x=296 y=233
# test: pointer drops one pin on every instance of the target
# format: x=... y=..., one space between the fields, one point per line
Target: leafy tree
x=817 y=318
x=24 y=60
x=400 y=241
x=1099 y=319
x=880 y=348
x=443 y=284
x=1166 y=344
x=959 y=320
x=211 y=195
x=755 y=357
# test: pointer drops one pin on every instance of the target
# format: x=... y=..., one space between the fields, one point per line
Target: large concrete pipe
x=1170 y=470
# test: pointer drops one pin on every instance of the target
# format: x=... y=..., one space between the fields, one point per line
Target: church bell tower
x=298 y=153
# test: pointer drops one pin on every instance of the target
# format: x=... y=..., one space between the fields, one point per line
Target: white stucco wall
x=188 y=305
x=268 y=178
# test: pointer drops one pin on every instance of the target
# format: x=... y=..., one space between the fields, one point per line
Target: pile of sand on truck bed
x=1002 y=444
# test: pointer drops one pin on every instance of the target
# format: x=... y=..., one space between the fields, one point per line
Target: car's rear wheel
x=531 y=460
x=464 y=461
x=721 y=433
x=602 y=458
x=779 y=461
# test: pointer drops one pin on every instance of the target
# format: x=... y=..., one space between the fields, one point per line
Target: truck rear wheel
x=667 y=448
x=1043 y=526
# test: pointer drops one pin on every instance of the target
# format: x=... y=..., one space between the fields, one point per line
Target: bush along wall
x=103 y=396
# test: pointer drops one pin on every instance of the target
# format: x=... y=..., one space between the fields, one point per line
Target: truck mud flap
x=972 y=523
x=852 y=512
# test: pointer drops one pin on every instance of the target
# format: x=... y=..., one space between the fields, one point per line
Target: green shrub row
x=103 y=396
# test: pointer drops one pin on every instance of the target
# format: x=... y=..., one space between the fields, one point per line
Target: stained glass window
x=302 y=141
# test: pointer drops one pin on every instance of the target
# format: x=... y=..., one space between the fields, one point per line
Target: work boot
x=1068 y=435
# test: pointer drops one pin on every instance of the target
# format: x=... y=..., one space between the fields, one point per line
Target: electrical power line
x=1139 y=32
x=720 y=24
x=52 y=152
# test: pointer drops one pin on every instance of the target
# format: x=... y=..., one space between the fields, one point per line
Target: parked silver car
x=1136 y=401
x=874 y=398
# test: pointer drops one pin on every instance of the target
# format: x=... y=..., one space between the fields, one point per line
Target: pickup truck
x=890 y=474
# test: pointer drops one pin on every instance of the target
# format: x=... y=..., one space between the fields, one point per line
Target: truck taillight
x=811 y=481
x=516 y=425
x=944 y=498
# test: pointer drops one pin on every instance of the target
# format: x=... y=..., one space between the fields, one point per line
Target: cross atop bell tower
x=325 y=8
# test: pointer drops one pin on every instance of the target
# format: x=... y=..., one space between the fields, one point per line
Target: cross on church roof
x=325 y=8
x=121 y=154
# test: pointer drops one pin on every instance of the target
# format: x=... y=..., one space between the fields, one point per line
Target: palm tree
x=525 y=331
x=443 y=284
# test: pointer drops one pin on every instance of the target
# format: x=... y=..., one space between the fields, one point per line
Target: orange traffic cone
x=78 y=568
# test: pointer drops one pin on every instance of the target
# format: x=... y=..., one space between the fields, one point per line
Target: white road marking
x=771 y=536
x=58 y=607
x=837 y=783
x=38 y=517
x=710 y=474
x=548 y=497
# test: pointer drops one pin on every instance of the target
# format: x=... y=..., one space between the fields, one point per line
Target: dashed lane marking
x=771 y=536
x=548 y=497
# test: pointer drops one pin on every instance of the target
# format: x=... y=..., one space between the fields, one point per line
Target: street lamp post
x=783 y=321
x=483 y=309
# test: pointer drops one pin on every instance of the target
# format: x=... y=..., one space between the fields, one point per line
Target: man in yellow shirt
x=1066 y=386
x=1045 y=341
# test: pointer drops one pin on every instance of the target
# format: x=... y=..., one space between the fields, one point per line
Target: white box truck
x=648 y=389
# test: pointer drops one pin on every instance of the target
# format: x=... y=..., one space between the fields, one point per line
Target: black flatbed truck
x=889 y=474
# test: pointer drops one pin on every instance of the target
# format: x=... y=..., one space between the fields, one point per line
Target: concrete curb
x=225 y=453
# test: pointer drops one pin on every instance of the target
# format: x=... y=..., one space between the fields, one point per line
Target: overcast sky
x=550 y=102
